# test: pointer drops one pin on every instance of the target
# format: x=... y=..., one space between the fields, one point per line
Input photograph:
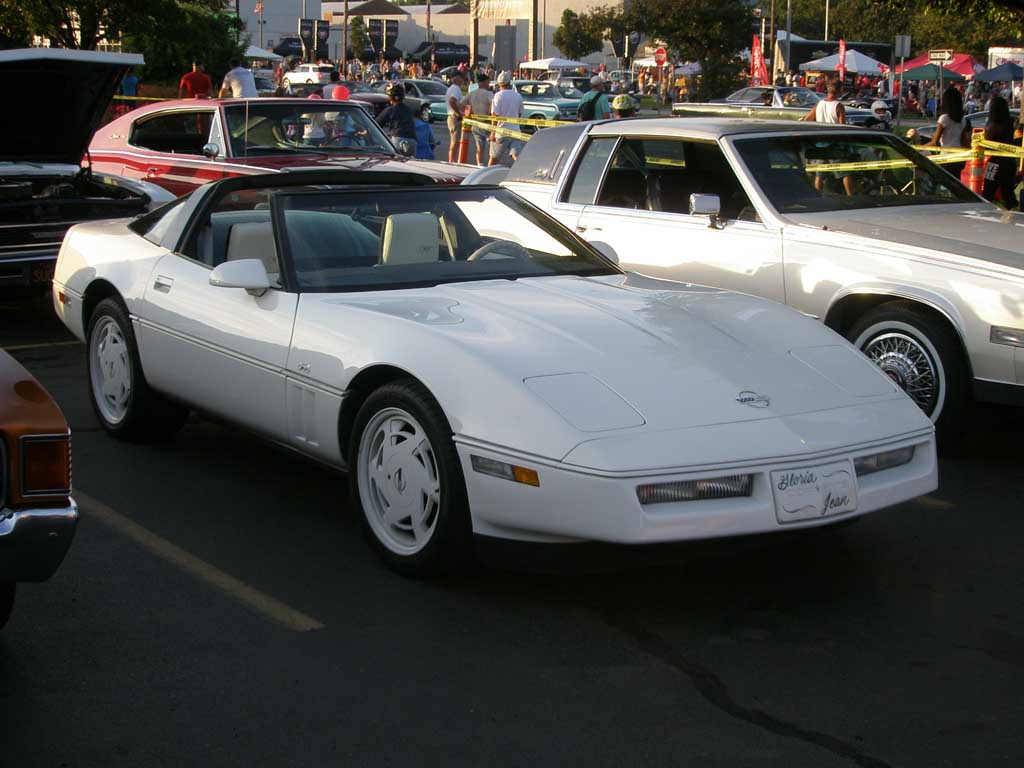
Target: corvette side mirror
x=211 y=150
x=249 y=274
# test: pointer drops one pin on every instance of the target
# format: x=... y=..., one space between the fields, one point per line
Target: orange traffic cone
x=467 y=135
x=974 y=171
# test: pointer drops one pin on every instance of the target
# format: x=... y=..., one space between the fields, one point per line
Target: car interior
x=183 y=133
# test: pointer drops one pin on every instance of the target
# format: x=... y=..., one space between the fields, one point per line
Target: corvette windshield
x=814 y=173
x=381 y=239
x=315 y=126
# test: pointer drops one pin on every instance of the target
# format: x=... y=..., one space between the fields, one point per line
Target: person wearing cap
x=195 y=84
x=478 y=102
x=506 y=103
x=624 y=106
x=594 y=104
x=452 y=97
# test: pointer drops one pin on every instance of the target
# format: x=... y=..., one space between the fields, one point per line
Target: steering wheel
x=485 y=250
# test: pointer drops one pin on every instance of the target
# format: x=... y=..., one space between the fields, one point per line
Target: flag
x=758 y=68
x=258 y=8
x=842 y=60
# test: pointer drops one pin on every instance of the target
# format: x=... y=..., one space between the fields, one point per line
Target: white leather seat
x=409 y=238
x=254 y=240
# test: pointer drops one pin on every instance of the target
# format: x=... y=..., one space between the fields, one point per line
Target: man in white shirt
x=452 y=97
x=238 y=83
x=506 y=103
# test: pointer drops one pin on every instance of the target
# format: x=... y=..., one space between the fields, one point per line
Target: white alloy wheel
x=399 y=482
x=111 y=369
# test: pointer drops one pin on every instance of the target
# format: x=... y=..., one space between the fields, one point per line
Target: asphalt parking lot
x=219 y=607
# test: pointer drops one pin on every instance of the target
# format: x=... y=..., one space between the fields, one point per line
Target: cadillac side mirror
x=211 y=150
x=249 y=274
x=707 y=205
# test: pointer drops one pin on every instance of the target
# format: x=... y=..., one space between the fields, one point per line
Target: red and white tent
x=963 y=64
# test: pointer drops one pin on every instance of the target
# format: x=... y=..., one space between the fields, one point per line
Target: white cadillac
x=851 y=226
x=479 y=369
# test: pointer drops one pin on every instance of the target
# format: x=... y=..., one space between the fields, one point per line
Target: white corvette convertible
x=479 y=369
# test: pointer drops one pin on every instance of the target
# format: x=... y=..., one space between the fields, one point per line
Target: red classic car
x=182 y=144
x=37 y=515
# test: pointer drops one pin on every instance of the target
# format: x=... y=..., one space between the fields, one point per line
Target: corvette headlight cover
x=728 y=487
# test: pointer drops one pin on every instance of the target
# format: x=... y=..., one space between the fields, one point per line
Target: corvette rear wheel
x=921 y=354
x=123 y=402
x=406 y=481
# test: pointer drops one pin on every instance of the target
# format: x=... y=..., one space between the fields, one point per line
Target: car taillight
x=45 y=465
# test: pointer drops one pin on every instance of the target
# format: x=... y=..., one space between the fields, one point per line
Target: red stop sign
x=660 y=56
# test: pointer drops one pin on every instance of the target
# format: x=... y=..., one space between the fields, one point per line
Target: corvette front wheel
x=123 y=402
x=406 y=481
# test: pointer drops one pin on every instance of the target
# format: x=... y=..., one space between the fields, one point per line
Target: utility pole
x=344 y=42
x=826 y=20
x=771 y=36
x=430 y=43
x=474 y=32
x=789 y=35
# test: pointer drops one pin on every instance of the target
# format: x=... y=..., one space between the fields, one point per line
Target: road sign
x=941 y=56
x=902 y=46
x=660 y=56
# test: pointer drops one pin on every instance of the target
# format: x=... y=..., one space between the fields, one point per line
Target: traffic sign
x=902 y=46
x=660 y=56
x=941 y=56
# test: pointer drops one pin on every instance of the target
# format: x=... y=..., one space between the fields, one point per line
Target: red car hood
x=450 y=172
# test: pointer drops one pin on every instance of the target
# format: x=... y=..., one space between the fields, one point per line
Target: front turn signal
x=45 y=465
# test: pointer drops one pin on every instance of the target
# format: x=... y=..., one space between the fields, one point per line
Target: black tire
x=146 y=414
x=7 y=592
x=911 y=344
x=448 y=545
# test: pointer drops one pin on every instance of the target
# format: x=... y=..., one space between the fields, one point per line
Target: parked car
x=374 y=100
x=426 y=99
x=183 y=144
x=544 y=101
x=855 y=228
x=764 y=102
x=974 y=120
x=478 y=369
x=265 y=86
x=37 y=515
x=308 y=74
x=47 y=182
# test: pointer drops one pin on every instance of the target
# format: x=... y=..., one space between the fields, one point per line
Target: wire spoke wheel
x=111 y=369
x=904 y=360
x=399 y=482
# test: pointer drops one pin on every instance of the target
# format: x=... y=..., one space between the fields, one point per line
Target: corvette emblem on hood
x=753 y=399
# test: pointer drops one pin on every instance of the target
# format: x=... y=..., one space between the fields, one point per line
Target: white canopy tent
x=688 y=69
x=855 y=62
x=255 y=52
x=553 y=63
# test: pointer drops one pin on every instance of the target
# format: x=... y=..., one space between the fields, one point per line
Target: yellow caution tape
x=521 y=120
x=497 y=129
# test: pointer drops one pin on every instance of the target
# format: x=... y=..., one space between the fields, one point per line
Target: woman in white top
x=830 y=110
x=950 y=126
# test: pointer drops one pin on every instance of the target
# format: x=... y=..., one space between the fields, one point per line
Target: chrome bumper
x=33 y=542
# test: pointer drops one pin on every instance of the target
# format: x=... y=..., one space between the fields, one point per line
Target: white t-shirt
x=507 y=103
x=453 y=92
x=826 y=112
x=242 y=83
x=950 y=132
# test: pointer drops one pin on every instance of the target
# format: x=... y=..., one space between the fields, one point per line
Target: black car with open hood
x=46 y=184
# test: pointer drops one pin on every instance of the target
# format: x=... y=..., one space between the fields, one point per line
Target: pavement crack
x=716 y=693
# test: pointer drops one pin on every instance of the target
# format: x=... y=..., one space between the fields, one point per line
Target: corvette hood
x=982 y=232
x=608 y=353
x=69 y=91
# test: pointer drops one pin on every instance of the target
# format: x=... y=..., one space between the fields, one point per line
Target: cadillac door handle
x=163 y=284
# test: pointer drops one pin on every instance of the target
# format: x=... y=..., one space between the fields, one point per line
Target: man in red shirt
x=195 y=84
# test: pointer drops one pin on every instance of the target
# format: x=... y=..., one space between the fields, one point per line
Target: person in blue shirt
x=129 y=84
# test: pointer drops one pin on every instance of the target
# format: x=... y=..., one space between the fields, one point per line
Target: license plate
x=808 y=493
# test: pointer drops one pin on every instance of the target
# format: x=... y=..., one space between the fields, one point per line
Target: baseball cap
x=597 y=80
x=505 y=79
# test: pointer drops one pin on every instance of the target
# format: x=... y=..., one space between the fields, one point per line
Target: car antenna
x=245 y=136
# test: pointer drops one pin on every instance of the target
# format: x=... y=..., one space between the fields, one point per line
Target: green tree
x=712 y=32
x=574 y=38
x=181 y=33
x=358 y=37
x=605 y=23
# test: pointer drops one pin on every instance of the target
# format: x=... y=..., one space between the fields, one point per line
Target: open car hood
x=68 y=93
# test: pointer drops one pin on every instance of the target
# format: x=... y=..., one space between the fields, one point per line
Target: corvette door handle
x=163 y=284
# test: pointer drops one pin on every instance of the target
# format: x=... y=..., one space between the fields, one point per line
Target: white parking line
x=41 y=345
x=269 y=607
